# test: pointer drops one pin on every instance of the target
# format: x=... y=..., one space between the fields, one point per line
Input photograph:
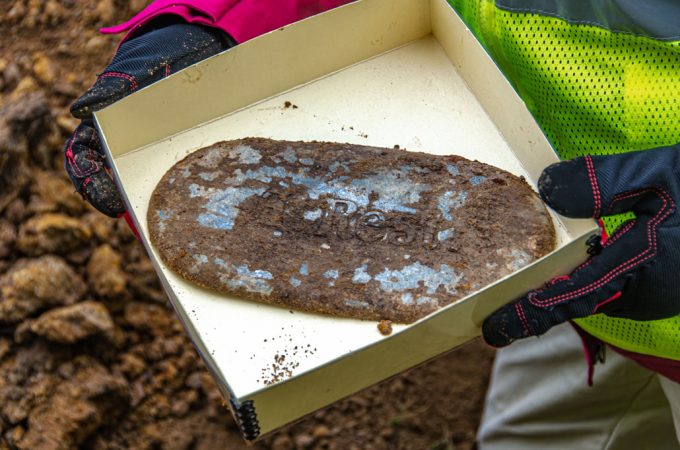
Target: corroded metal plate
x=341 y=229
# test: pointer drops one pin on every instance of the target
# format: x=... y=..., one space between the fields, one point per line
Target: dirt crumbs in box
x=91 y=355
x=342 y=229
x=287 y=357
x=284 y=364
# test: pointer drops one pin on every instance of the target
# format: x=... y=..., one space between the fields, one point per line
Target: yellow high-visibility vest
x=596 y=85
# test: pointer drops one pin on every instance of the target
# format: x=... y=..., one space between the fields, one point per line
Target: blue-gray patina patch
x=245 y=154
x=208 y=176
x=201 y=259
x=312 y=215
x=450 y=200
x=164 y=216
x=410 y=277
x=361 y=275
x=443 y=235
x=477 y=179
x=393 y=191
x=223 y=206
x=331 y=274
x=356 y=304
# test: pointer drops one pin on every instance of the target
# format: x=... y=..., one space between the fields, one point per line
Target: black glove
x=163 y=49
x=635 y=273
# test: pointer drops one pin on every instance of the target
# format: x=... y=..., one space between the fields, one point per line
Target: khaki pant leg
x=672 y=390
x=539 y=399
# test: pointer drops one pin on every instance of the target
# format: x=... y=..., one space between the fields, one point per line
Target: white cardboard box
x=374 y=72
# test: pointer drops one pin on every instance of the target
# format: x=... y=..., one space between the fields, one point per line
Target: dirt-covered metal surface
x=364 y=232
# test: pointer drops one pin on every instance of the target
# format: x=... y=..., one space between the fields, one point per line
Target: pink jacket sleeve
x=241 y=19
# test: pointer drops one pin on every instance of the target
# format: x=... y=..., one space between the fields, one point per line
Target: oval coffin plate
x=347 y=230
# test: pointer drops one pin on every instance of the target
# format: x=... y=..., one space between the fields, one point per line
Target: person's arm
x=241 y=19
x=635 y=272
x=164 y=38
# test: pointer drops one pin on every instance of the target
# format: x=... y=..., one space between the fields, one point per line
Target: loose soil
x=91 y=354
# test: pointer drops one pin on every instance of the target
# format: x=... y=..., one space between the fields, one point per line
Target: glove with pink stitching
x=635 y=273
x=164 y=48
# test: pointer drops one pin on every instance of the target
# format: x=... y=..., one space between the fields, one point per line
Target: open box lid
x=374 y=72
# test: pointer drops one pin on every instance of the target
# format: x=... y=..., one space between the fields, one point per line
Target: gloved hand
x=634 y=273
x=163 y=49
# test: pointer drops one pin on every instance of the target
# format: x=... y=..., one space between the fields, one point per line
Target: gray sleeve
x=656 y=19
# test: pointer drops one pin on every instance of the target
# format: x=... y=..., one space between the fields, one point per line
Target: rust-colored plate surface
x=347 y=230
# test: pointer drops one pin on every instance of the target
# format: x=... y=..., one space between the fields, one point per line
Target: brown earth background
x=91 y=354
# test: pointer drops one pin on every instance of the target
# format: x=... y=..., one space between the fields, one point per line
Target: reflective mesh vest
x=600 y=77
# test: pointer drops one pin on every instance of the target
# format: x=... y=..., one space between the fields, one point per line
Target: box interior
x=412 y=76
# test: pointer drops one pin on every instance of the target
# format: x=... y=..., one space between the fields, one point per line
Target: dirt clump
x=52 y=233
x=8 y=235
x=104 y=272
x=385 y=327
x=32 y=285
x=22 y=122
x=70 y=324
x=53 y=192
x=84 y=396
x=147 y=318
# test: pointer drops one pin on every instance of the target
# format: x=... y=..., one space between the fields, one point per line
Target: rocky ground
x=91 y=354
